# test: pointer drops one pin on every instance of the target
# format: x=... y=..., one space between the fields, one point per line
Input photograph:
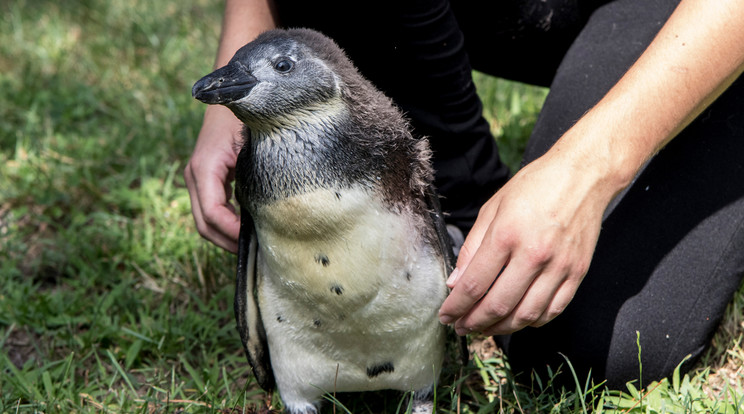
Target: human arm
x=210 y=170
x=542 y=226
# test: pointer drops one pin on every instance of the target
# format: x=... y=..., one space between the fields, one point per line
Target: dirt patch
x=728 y=371
x=20 y=346
x=484 y=347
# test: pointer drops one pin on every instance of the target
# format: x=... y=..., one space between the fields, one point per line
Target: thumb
x=474 y=240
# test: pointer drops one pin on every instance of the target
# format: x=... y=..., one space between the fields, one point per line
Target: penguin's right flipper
x=445 y=244
x=247 y=313
x=443 y=236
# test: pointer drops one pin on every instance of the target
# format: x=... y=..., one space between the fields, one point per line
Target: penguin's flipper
x=437 y=218
x=247 y=314
x=448 y=254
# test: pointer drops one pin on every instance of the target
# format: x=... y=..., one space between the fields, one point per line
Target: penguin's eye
x=283 y=65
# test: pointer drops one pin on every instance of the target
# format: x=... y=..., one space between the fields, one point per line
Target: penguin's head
x=278 y=75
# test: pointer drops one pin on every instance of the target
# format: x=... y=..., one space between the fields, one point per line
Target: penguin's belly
x=349 y=293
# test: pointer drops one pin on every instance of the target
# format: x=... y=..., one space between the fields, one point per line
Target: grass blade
x=194 y=375
x=579 y=394
x=121 y=372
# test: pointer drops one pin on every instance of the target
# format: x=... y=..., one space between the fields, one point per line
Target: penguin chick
x=343 y=253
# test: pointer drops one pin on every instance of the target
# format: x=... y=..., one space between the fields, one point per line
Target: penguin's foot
x=423 y=401
x=422 y=407
x=301 y=409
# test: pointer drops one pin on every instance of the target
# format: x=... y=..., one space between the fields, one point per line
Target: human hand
x=209 y=174
x=529 y=249
x=533 y=241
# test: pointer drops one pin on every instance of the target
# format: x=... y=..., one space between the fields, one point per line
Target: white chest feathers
x=349 y=294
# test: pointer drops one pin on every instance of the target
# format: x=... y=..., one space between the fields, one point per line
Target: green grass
x=110 y=301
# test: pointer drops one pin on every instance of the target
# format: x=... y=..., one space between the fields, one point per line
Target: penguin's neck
x=308 y=150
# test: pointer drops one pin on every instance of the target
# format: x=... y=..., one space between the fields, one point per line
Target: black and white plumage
x=342 y=240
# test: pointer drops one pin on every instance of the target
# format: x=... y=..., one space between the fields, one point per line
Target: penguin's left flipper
x=448 y=254
x=245 y=305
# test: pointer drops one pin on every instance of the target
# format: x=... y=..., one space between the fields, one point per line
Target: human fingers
x=471 y=282
x=209 y=174
x=515 y=301
x=503 y=296
x=214 y=216
x=559 y=303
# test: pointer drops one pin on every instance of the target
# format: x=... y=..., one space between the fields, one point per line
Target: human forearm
x=242 y=22
x=696 y=55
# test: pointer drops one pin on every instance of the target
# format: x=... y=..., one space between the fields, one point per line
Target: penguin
x=343 y=250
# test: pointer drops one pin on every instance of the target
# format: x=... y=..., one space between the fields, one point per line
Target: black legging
x=671 y=251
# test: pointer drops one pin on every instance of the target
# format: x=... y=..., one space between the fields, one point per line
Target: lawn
x=109 y=299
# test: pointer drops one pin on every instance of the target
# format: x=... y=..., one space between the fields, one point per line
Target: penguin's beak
x=226 y=84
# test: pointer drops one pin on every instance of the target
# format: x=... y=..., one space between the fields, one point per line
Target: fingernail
x=453 y=277
x=445 y=319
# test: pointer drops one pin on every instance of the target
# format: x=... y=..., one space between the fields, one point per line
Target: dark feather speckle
x=322 y=259
x=337 y=289
x=378 y=369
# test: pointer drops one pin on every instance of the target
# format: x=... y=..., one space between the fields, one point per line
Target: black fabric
x=671 y=251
